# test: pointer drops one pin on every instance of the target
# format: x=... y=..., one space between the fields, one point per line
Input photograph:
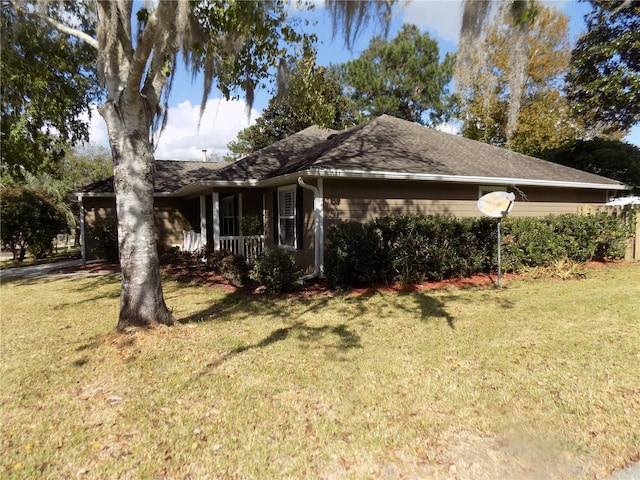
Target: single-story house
x=298 y=187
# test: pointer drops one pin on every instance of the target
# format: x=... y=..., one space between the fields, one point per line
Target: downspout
x=318 y=247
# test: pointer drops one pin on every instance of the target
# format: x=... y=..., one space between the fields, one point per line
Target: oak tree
x=29 y=219
x=609 y=158
x=233 y=44
x=604 y=78
x=477 y=17
x=545 y=118
x=48 y=83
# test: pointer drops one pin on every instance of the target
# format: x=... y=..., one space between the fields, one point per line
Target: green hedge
x=277 y=271
x=414 y=248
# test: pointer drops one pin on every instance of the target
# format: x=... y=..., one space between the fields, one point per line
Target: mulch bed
x=318 y=287
x=311 y=289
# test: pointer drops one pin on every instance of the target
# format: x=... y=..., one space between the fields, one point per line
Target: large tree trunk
x=141 y=299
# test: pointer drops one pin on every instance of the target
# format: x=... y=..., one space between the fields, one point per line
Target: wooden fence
x=632 y=252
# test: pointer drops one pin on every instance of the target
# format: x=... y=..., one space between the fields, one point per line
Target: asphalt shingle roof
x=389 y=144
x=386 y=145
x=171 y=175
x=270 y=161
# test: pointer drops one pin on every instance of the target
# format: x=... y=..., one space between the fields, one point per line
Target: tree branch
x=146 y=42
x=80 y=35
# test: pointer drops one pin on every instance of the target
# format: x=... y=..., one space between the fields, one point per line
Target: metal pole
x=499 y=259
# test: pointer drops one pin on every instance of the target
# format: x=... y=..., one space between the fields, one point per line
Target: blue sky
x=222 y=119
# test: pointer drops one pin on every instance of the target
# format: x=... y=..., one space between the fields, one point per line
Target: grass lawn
x=539 y=379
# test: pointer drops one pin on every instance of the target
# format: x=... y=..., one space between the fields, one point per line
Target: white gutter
x=318 y=269
x=460 y=179
x=382 y=175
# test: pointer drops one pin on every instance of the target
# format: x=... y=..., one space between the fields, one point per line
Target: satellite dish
x=496 y=204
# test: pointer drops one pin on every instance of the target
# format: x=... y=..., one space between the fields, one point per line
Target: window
x=228 y=216
x=484 y=189
x=287 y=217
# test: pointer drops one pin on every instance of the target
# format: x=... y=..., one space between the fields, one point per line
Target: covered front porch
x=230 y=220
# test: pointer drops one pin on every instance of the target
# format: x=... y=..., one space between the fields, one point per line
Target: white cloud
x=220 y=124
x=97 y=127
x=448 y=128
x=181 y=139
x=440 y=17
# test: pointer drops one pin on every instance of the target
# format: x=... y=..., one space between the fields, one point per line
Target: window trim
x=228 y=201
x=283 y=190
x=484 y=189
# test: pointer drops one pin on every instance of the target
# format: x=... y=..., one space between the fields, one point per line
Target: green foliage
x=235 y=269
x=490 y=86
x=354 y=255
x=532 y=242
x=47 y=86
x=232 y=267
x=604 y=76
x=251 y=225
x=83 y=165
x=214 y=258
x=29 y=220
x=612 y=234
x=277 y=271
x=424 y=247
x=104 y=236
x=414 y=248
x=402 y=77
x=312 y=97
x=609 y=158
x=175 y=256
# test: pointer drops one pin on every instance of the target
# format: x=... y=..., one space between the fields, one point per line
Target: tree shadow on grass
x=240 y=306
x=414 y=304
x=429 y=307
x=74 y=290
x=346 y=339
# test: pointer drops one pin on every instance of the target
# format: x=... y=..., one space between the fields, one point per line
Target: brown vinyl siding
x=363 y=200
x=171 y=217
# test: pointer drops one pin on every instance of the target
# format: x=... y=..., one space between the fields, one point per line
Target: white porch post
x=203 y=221
x=83 y=236
x=240 y=214
x=264 y=214
x=320 y=240
x=216 y=220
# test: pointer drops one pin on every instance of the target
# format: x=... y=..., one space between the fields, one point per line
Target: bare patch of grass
x=538 y=379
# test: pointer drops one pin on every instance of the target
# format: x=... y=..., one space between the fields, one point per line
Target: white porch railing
x=192 y=241
x=250 y=247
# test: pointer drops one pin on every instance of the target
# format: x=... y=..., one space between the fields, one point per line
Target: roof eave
x=200 y=185
x=112 y=194
x=363 y=174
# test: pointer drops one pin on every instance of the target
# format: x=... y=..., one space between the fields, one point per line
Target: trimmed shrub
x=235 y=269
x=277 y=271
x=169 y=256
x=414 y=248
x=355 y=255
x=176 y=256
x=422 y=247
x=533 y=242
x=215 y=259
